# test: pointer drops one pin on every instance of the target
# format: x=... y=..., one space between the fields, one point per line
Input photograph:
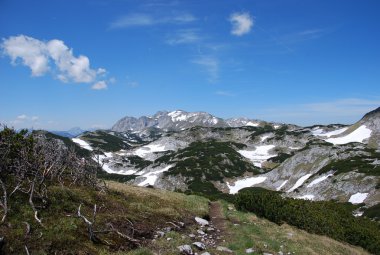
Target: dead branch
x=90 y=225
x=4 y=202
x=32 y=205
x=133 y=240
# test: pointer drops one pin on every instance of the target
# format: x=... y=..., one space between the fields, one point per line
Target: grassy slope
x=148 y=209
x=64 y=233
x=265 y=236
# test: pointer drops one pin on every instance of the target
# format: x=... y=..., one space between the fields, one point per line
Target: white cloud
x=53 y=55
x=186 y=36
x=210 y=65
x=22 y=117
x=99 y=85
x=143 y=19
x=242 y=23
x=31 y=51
x=34 y=118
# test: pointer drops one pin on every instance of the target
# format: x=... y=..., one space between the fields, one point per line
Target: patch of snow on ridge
x=299 y=182
x=318 y=180
x=151 y=177
x=306 y=197
x=252 y=124
x=259 y=155
x=143 y=151
x=282 y=185
x=178 y=116
x=320 y=132
x=106 y=166
x=358 y=198
x=244 y=183
x=263 y=138
x=82 y=143
x=358 y=135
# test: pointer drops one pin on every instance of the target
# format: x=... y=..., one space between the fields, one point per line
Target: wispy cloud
x=303 y=35
x=52 y=56
x=225 y=93
x=184 y=36
x=100 y=85
x=242 y=23
x=145 y=19
x=346 y=110
x=22 y=120
x=210 y=65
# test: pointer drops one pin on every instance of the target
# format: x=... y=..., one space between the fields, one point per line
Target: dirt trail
x=218 y=220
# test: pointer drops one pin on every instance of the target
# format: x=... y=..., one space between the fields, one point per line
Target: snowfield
x=318 y=180
x=244 y=183
x=143 y=151
x=106 y=166
x=299 y=182
x=320 y=132
x=358 y=135
x=282 y=185
x=82 y=143
x=358 y=198
x=252 y=124
x=151 y=177
x=259 y=155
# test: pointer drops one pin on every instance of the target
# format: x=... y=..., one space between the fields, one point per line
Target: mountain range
x=196 y=152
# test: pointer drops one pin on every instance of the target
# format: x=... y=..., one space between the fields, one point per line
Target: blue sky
x=66 y=63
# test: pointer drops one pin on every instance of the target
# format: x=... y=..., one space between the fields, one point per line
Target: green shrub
x=323 y=217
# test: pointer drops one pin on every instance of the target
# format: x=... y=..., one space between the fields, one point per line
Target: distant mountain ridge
x=179 y=120
x=72 y=132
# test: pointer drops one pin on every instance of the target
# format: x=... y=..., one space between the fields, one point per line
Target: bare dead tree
x=4 y=202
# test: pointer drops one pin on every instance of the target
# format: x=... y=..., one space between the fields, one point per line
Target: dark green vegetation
x=201 y=163
x=105 y=141
x=325 y=217
x=373 y=212
x=67 y=142
x=361 y=164
x=137 y=161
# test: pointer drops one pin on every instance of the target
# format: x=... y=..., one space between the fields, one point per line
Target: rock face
x=200 y=153
x=179 y=120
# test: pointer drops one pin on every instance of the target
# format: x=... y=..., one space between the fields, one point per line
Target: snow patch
x=252 y=124
x=318 y=180
x=244 y=183
x=306 y=197
x=263 y=138
x=259 y=155
x=282 y=185
x=321 y=132
x=299 y=182
x=151 y=177
x=358 y=135
x=82 y=143
x=143 y=151
x=358 y=198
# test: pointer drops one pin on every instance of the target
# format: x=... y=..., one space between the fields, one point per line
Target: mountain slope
x=321 y=162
